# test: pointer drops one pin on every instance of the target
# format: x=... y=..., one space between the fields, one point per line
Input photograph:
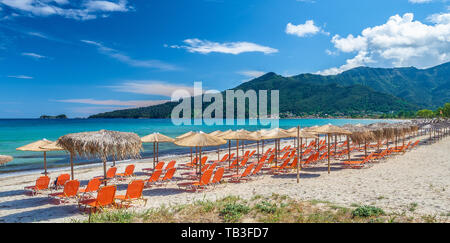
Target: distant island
x=362 y=92
x=62 y=116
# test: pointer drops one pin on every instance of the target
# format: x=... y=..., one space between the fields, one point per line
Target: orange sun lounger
x=41 y=184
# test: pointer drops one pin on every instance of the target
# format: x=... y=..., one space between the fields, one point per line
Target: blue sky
x=87 y=56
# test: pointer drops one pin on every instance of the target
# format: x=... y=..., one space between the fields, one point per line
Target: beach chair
x=218 y=175
x=252 y=153
x=354 y=164
x=105 y=198
x=42 y=183
x=275 y=169
x=414 y=145
x=70 y=192
x=290 y=167
x=153 y=178
x=92 y=186
x=110 y=175
x=167 y=177
x=257 y=171
x=134 y=193
x=170 y=165
x=158 y=166
x=129 y=172
x=197 y=185
x=60 y=181
x=239 y=178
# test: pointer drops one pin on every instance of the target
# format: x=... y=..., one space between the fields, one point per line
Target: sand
x=419 y=179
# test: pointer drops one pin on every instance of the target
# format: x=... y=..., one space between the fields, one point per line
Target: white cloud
x=419 y=1
x=130 y=103
x=252 y=73
x=33 y=55
x=20 y=76
x=441 y=18
x=129 y=60
x=302 y=30
x=151 y=87
x=89 y=9
x=401 y=41
x=205 y=47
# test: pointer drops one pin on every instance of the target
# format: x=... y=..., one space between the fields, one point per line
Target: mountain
x=358 y=91
x=428 y=88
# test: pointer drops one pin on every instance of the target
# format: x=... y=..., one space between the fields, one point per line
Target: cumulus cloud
x=302 y=30
x=401 y=41
x=151 y=87
x=235 y=48
x=115 y=54
x=85 y=10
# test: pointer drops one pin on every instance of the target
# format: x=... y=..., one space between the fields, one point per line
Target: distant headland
x=62 y=116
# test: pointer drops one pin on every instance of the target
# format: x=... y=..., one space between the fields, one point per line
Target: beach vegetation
x=367 y=211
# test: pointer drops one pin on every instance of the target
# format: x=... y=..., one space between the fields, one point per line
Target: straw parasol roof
x=200 y=139
x=5 y=159
x=330 y=129
x=216 y=133
x=240 y=135
x=157 y=138
x=35 y=146
x=186 y=134
x=43 y=145
x=51 y=147
x=275 y=134
x=101 y=144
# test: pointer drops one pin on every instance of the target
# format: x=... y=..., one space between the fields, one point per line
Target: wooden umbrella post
x=157 y=152
x=200 y=164
x=348 y=147
x=71 y=165
x=154 y=155
x=328 y=135
x=298 y=155
x=257 y=150
x=237 y=156
x=45 y=163
x=335 y=144
x=229 y=153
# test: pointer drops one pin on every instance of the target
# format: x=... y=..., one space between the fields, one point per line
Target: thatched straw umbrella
x=101 y=144
x=5 y=159
x=39 y=146
x=200 y=140
x=190 y=133
x=360 y=134
x=229 y=142
x=239 y=136
x=329 y=130
x=277 y=134
x=156 y=138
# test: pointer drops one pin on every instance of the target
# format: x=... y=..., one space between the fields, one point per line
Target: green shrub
x=232 y=212
x=367 y=211
x=266 y=207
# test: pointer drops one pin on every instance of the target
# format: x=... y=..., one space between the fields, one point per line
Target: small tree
x=425 y=113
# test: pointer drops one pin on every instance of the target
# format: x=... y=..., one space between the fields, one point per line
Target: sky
x=83 y=57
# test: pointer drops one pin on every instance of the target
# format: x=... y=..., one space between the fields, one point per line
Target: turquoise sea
x=18 y=132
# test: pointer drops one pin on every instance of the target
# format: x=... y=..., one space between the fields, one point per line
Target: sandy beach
x=419 y=177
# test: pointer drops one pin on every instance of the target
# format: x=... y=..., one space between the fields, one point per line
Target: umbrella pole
x=237 y=156
x=104 y=170
x=154 y=151
x=71 y=165
x=276 y=153
x=229 y=153
x=218 y=153
x=328 y=153
x=348 y=147
x=262 y=149
x=157 y=152
x=200 y=170
x=191 y=155
x=45 y=163
x=257 y=150
x=335 y=145
x=298 y=155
